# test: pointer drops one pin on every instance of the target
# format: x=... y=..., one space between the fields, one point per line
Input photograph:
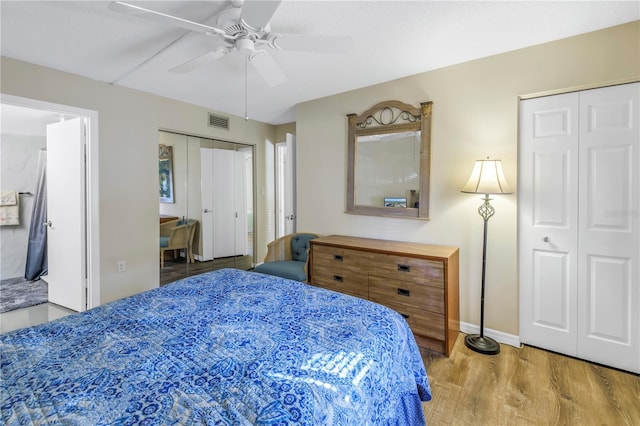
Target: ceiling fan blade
x=267 y=67
x=257 y=14
x=141 y=12
x=311 y=43
x=199 y=61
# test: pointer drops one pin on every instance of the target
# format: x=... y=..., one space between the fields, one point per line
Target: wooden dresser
x=419 y=281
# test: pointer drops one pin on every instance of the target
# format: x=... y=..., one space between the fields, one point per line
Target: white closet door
x=609 y=229
x=224 y=202
x=206 y=194
x=224 y=206
x=240 y=197
x=579 y=224
x=548 y=200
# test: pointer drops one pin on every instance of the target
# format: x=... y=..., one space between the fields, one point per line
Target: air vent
x=218 y=121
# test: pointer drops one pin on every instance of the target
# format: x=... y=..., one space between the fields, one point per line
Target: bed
x=225 y=347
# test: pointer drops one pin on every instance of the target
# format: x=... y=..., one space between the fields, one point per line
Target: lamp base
x=483 y=344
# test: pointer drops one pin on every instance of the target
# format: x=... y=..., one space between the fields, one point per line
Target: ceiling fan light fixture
x=245 y=46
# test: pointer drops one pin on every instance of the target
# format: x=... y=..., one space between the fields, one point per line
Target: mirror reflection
x=388 y=170
x=389 y=155
x=210 y=223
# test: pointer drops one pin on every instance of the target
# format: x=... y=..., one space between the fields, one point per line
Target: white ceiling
x=392 y=39
x=26 y=121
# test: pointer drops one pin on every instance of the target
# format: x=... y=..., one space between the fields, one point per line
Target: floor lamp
x=486 y=178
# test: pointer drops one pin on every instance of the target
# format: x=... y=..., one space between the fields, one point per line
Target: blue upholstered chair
x=288 y=257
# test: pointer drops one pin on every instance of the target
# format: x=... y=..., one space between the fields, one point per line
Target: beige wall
x=282 y=130
x=128 y=150
x=475 y=115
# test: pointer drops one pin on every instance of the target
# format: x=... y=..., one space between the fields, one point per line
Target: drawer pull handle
x=403 y=292
x=404 y=268
x=337 y=257
x=338 y=278
x=405 y=316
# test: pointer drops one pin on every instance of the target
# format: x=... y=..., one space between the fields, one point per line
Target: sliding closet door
x=227 y=203
x=219 y=195
x=206 y=196
x=609 y=229
x=548 y=228
x=212 y=192
x=243 y=158
x=175 y=203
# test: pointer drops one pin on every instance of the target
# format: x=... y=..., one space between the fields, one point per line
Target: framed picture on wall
x=165 y=170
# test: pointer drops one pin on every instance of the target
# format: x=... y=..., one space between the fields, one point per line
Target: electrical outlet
x=122 y=266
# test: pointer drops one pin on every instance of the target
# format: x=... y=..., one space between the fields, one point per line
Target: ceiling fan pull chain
x=246 y=62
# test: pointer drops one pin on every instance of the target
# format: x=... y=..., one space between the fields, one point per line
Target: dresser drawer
x=423 y=271
x=420 y=281
x=344 y=259
x=406 y=293
x=422 y=323
x=344 y=281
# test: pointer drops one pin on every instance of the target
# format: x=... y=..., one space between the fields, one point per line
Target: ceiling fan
x=245 y=29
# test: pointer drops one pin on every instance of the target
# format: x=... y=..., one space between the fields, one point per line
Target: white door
x=66 y=245
x=269 y=190
x=280 y=193
x=224 y=229
x=609 y=228
x=206 y=194
x=548 y=229
x=579 y=229
x=290 y=185
x=239 y=214
x=224 y=202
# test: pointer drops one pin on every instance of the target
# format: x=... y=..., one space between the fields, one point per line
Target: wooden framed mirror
x=389 y=160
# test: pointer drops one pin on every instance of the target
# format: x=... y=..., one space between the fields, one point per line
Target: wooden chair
x=177 y=235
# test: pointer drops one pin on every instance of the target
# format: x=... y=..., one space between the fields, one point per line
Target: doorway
x=285 y=186
x=25 y=112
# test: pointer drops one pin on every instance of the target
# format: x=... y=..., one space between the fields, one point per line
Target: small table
x=166 y=218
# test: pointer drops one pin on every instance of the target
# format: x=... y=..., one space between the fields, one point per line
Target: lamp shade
x=487 y=178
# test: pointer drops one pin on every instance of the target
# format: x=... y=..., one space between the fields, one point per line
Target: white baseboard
x=498 y=336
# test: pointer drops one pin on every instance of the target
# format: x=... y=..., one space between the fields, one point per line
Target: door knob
x=47 y=223
x=207 y=210
x=546 y=239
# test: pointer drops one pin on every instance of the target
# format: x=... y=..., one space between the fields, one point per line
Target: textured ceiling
x=392 y=39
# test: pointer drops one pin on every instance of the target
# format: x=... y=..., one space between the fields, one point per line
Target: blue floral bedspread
x=227 y=347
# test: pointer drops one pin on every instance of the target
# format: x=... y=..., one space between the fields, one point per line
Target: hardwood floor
x=176 y=269
x=527 y=386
